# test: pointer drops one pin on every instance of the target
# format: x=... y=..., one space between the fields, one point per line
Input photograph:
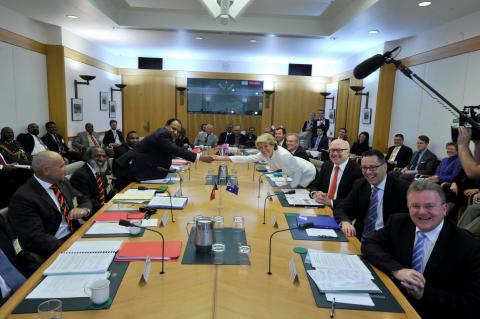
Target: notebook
x=318 y=221
x=167 y=201
x=133 y=251
x=116 y=216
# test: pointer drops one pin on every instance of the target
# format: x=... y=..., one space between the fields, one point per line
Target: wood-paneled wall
x=150 y=98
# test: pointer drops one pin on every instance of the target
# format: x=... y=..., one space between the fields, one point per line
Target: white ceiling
x=292 y=31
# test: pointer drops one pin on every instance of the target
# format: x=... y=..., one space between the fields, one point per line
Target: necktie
x=101 y=189
x=60 y=145
x=94 y=140
x=9 y=273
x=415 y=161
x=394 y=153
x=317 y=142
x=371 y=218
x=418 y=251
x=333 y=185
x=63 y=204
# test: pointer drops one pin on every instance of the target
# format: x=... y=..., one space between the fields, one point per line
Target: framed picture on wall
x=103 y=101
x=77 y=109
x=331 y=116
x=112 y=109
x=366 y=116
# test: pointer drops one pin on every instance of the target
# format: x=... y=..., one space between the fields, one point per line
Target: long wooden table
x=222 y=291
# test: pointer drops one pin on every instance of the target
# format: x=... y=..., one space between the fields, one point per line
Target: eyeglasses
x=427 y=207
x=370 y=168
x=337 y=150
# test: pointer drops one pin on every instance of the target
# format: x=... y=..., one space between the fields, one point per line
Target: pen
x=332 y=310
x=377 y=296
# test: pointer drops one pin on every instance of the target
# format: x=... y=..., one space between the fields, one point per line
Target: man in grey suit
x=423 y=161
x=87 y=139
x=207 y=137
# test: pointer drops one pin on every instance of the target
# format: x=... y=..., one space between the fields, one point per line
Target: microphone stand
x=126 y=223
x=260 y=179
x=270 y=196
x=171 y=205
x=304 y=226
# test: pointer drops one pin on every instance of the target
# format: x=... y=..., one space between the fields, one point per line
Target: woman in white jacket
x=301 y=171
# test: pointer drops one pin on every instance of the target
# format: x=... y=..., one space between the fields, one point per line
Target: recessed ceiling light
x=71 y=16
x=374 y=31
x=424 y=4
x=198 y=38
x=253 y=41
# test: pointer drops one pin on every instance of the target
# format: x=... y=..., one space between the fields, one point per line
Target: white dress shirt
x=4 y=288
x=429 y=243
x=301 y=171
x=38 y=145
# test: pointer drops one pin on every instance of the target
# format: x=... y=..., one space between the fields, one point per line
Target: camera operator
x=470 y=163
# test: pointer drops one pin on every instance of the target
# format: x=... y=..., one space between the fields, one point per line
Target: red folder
x=134 y=251
x=115 y=217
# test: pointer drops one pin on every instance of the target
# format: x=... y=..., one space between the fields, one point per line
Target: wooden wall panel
x=353 y=113
x=219 y=122
x=383 y=114
x=57 y=95
x=342 y=105
x=21 y=41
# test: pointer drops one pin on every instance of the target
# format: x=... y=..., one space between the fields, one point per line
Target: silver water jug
x=204 y=233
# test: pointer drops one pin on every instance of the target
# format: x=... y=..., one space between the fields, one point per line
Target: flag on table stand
x=212 y=193
x=232 y=188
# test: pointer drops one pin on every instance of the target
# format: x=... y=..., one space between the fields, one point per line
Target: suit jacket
x=35 y=217
x=350 y=175
x=308 y=124
x=52 y=144
x=223 y=139
x=452 y=272
x=428 y=163
x=250 y=141
x=322 y=145
x=27 y=142
x=300 y=152
x=119 y=151
x=355 y=205
x=242 y=140
x=404 y=155
x=109 y=138
x=81 y=142
x=85 y=182
x=325 y=126
x=155 y=150
x=207 y=140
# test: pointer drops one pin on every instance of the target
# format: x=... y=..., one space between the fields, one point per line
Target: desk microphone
x=302 y=227
x=260 y=179
x=171 y=205
x=126 y=223
x=269 y=197
x=149 y=211
x=171 y=171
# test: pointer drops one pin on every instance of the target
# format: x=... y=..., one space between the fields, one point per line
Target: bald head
x=339 y=151
x=49 y=166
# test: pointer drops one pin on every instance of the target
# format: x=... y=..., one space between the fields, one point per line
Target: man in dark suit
x=398 y=155
x=227 y=136
x=336 y=176
x=132 y=140
x=17 y=264
x=30 y=141
x=320 y=144
x=435 y=264
x=372 y=199
x=321 y=121
x=90 y=179
x=280 y=134
x=113 y=138
x=44 y=210
x=251 y=138
x=56 y=143
x=294 y=147
x=423 y=162
x=152 y=156
x=239 y=140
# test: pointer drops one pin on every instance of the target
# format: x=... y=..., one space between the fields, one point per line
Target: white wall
x=332 y=88
x=23 y=88
x=91 y=96
x=371 y=86
x=415 y=112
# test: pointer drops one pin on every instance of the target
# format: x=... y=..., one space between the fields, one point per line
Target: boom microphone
x=372 y=64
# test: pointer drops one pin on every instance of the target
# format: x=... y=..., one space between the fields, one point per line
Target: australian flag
x=232 y=188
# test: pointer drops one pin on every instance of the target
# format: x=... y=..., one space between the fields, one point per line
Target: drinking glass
x=50 y=309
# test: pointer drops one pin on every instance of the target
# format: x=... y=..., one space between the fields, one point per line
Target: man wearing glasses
x=435 y=264
x=372 y=199
x=337 y=175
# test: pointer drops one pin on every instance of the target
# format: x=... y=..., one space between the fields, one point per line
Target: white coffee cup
x=98 y=291
x=135 y=230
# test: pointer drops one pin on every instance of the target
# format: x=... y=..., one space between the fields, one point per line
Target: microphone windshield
x=306 y=225
x=368 y=66
x=290 y=192
x=123 y=222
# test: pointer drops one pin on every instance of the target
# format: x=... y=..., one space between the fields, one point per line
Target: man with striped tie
x=372 y=198
x=435 y=264
x=90 y=179
x=44 y=210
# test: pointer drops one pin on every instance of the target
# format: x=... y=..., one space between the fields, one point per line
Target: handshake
x=209 y=159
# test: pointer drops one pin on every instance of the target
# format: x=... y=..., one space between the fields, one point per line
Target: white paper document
x=166 y=202
x=362 y=299
x=321 y=259
x=80 y=263
x=105 y=228
x=316 y=232
x=298 y=192
x=331 y=280
x=150 y=222
x=64 y=286
x=91 y=246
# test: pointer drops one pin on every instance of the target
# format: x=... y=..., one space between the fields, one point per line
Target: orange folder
x=134 y=251
x=115 y=217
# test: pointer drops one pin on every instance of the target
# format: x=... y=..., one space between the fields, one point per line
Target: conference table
x=220 y=291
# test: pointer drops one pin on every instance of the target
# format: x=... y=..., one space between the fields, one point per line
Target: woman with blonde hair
x=301 y=171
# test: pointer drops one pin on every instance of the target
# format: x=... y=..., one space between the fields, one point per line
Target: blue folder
x=325 y=222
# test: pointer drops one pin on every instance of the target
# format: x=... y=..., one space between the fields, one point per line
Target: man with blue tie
x=372 y=198
x=435 y=264
x=423 y=161
x=320 y=144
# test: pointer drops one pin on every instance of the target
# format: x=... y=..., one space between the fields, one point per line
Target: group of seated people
x=370 y=199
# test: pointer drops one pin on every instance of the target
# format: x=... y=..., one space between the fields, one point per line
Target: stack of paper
x=342 y=275
x=167 y=202
x=135 y=195
x=170 y=179
x=301 y=197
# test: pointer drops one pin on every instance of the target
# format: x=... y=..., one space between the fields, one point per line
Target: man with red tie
x=90 y=179
x=87 y=139
x=44 y=211
x=337 y=175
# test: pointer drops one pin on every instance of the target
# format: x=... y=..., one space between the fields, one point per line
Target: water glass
x=238 y=223
x=218 y=250
x=243 y=253
x=210 y=171
x=50 y=309
x=218 y=222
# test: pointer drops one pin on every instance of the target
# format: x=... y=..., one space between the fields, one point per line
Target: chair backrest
x=71 y=168
x=317 y=163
